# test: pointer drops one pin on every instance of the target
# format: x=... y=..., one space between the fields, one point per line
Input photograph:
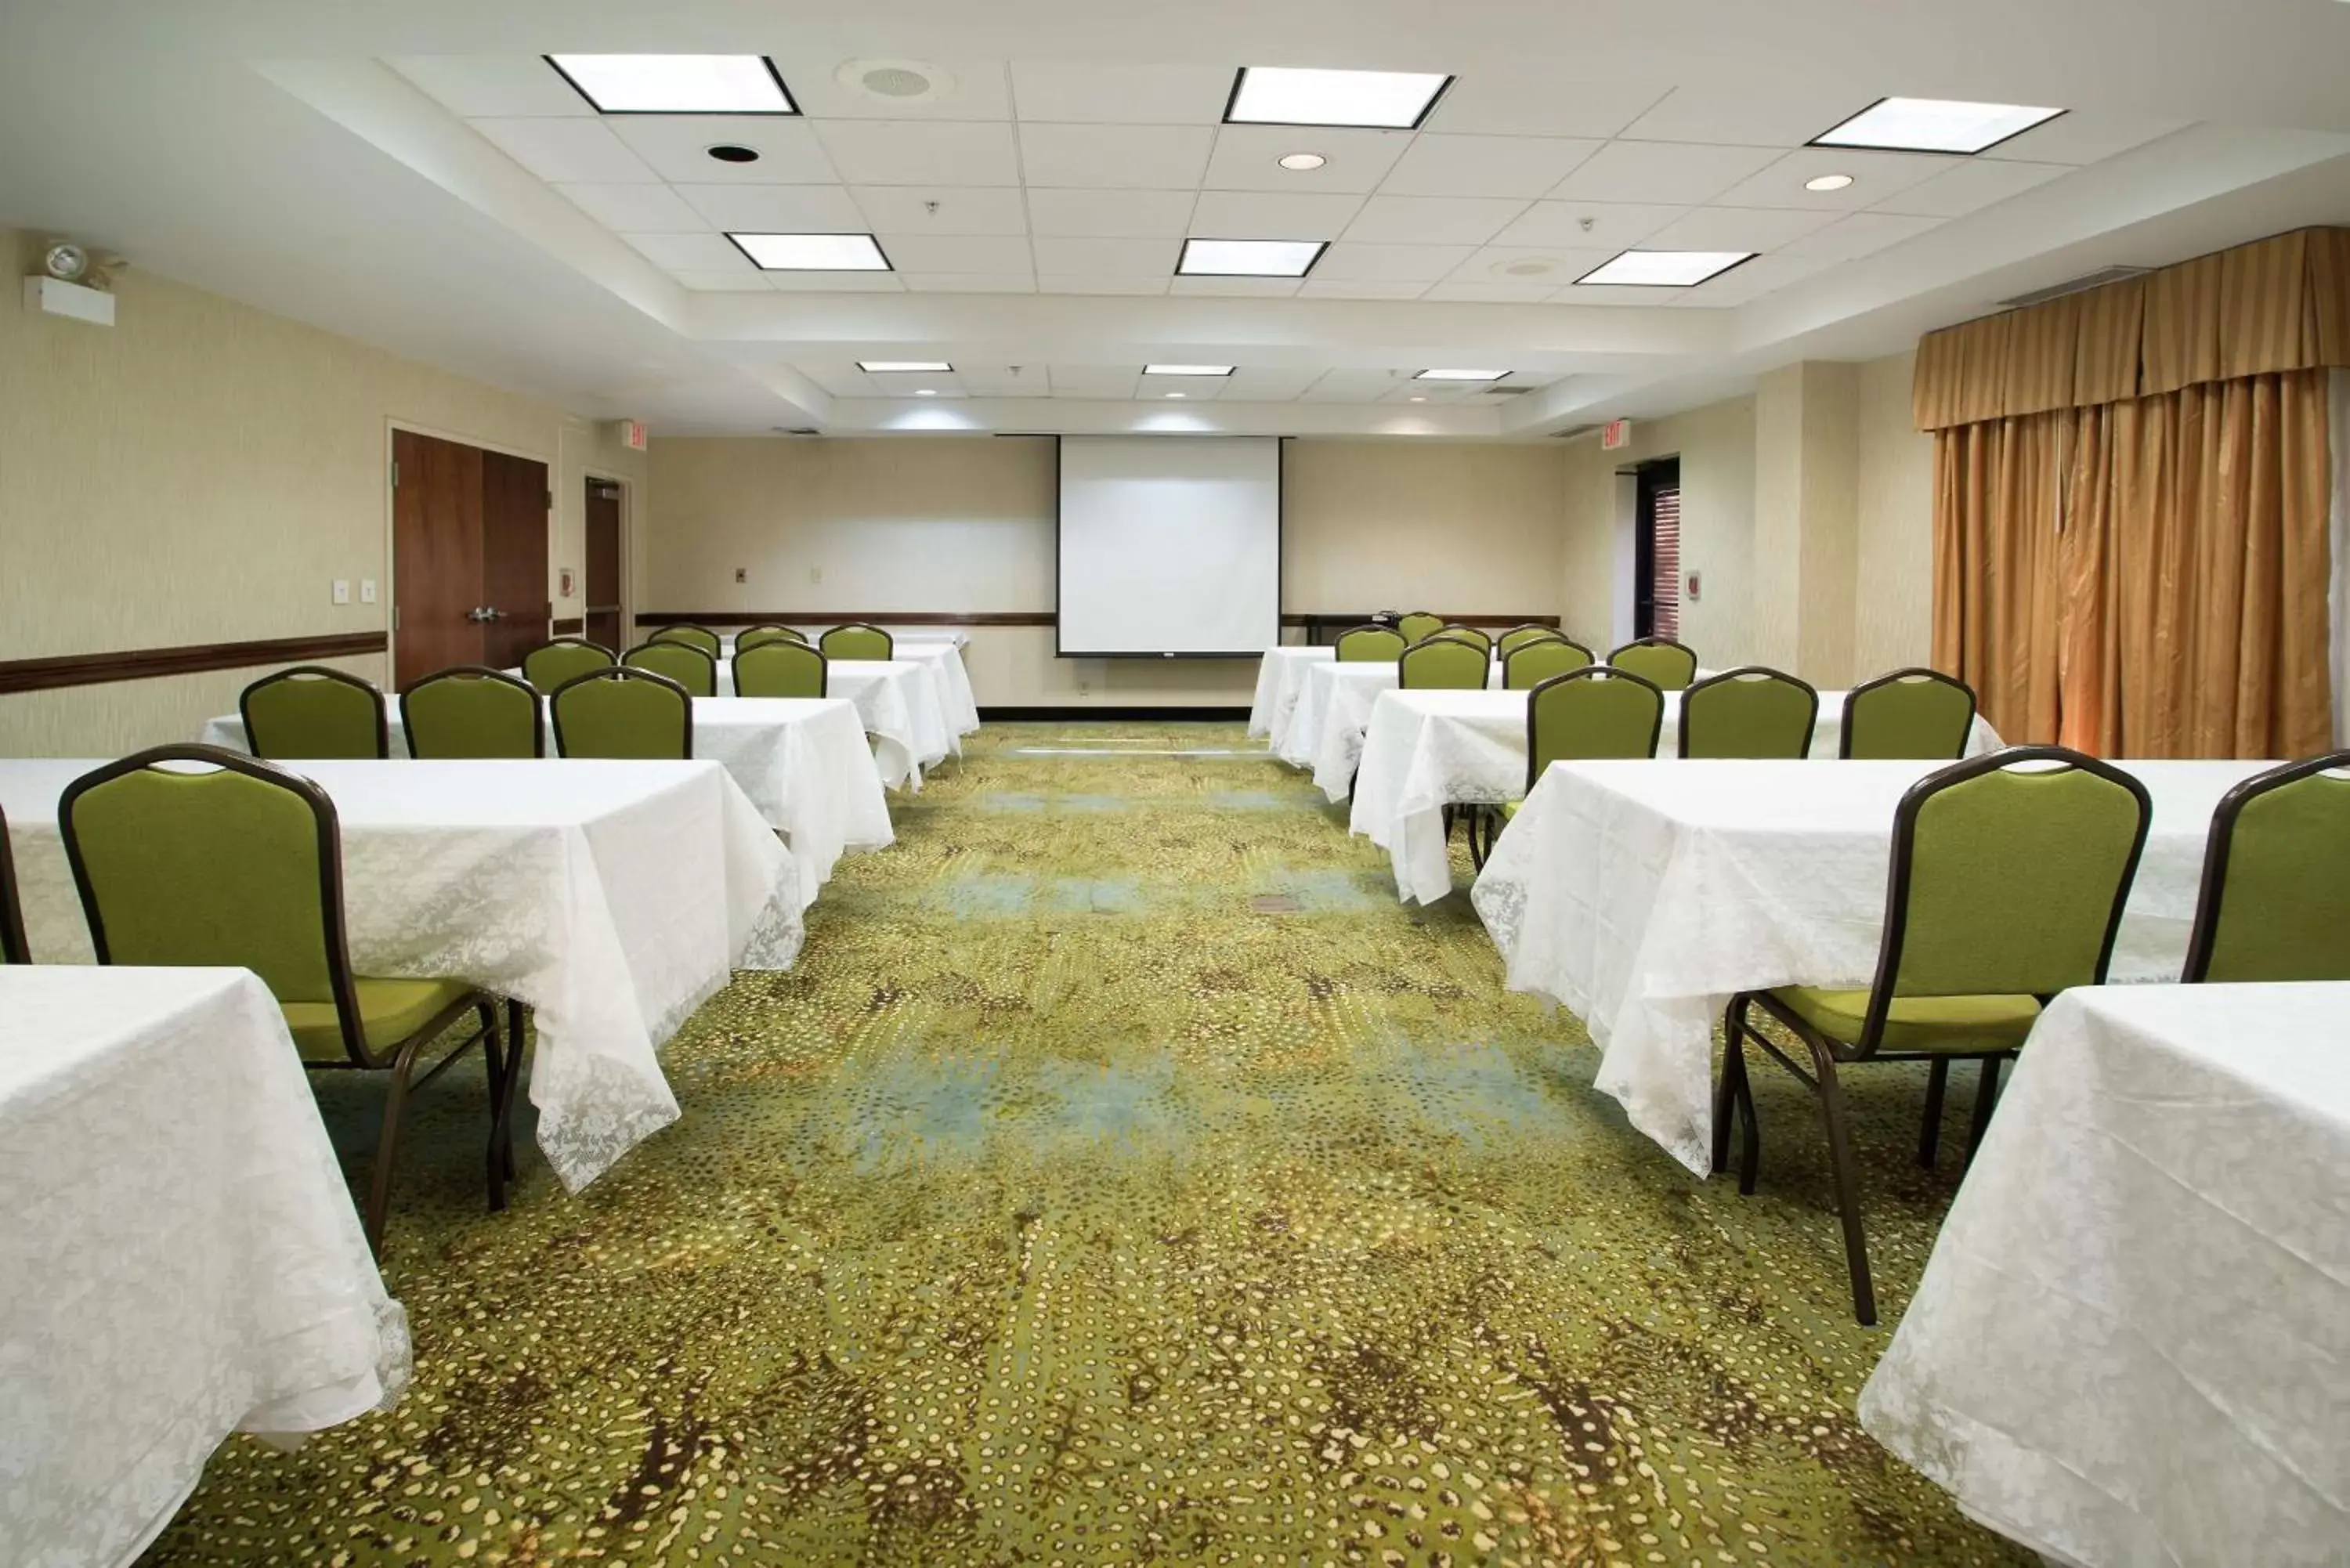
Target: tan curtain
x=1996 y=565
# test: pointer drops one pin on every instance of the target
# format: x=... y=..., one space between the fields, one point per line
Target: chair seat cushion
x=390 y=1011
x=1950 y=1024
x=1510 y=809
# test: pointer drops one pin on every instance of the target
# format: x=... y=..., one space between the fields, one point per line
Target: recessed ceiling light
x=1934 y=125
x=1460 y=375
x=1251 y=259
x=1187 y=369
x=676 y=84
x=1386 y=100
x=918 y=367
x=1663 y=269
x=1302 y=161
x=732 y=152
x=1178 y=394
x=813 y=252
x=1419 y=400
x=1828 y=183
x=926 y=391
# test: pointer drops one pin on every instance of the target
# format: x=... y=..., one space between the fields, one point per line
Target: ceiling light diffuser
x=676 y=84
x=1828 y=183
x=1934 y=125
x=1460 y=375
x=1384 y=100
x=1251 y=259
x=919 y=367
x=1300 y=162
x=1187 y=369
x=813 y=252
x=1664 y=269
x=926 y=391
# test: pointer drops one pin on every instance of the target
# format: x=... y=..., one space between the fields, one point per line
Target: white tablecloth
x=940 y=666
x=1425 y=750
x=2132 y=1342
x=1332 y=712
x=1640 y=896
x=179 y=1255
x=1280 y=678
x=903 y=709
x=803 y=763
x=614 y=898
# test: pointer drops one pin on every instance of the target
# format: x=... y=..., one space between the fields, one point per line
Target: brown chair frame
x=560 y=642
x=618 y=672
x=538 y=713
x=2221 y=842
x=1811 y=725
x=383 y=724
x=1893 y=677
x=889 y=638
x=13 y=948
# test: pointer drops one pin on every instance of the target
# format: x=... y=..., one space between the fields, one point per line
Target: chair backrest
x=2007 y=878
x=13 y=948
x=677 y=660
x=1660 y=661
x=2276 y=879
x=238 y=864
x=781 y=668
x=1442 y=663
x=470 y=711
x=857 y=640
x=1518 y=635
x=751 y=637
x=550 y=664
x=1460 y=633
x=1753 y=712
x=700 y=636
x=315 y=713
x=623 y=711
x=1590 y=714
x=1417 y=626
x=1909 y=714
x=1537 y=660
x=1369 y=645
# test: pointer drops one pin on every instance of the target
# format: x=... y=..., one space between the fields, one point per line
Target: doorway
x=602 y=589
x=1657 y=539
x=468 y=556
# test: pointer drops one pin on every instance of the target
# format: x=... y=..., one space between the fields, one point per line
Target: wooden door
x=603 y=586
x=513 y=601
x=436 y=555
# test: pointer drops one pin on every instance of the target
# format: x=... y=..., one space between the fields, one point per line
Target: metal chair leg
x=1855 y=1243
x=516 y=1015
x=1930 y=1137
x=387 y=1147
x=486 y=1014
x=1725 y=1091
x=1986 y=1100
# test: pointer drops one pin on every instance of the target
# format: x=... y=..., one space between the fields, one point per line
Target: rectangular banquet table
x=613 y=898
x=179 y=1256
x=1280 y=677
x=1334 y=710
x=906 y=704
x=2132 y=1342
x=802 y=762
x=1640 y=896
x=1423 y=751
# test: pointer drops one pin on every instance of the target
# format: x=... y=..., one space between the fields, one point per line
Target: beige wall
x=201 y=471
x=1893 y=605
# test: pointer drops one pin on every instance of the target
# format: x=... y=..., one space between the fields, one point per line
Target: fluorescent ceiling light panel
x=1664 y=269
x=1187 y=369
x=1934 y=125
x=676 y=84
x=921 y=367
x=1251 y=259
x=1460 y=375
x=813 y=252
x=1384 y=100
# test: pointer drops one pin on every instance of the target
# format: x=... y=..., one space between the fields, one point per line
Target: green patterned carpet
x=1124 y=1177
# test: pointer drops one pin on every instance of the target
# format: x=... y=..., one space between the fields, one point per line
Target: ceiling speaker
x=895 y=81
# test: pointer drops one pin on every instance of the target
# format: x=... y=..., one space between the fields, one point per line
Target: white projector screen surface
x=1170 y=545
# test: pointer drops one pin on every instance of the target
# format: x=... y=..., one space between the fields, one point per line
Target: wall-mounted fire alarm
x=1696 y=583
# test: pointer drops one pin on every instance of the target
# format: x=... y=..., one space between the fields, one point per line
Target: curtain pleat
x=1995 y=578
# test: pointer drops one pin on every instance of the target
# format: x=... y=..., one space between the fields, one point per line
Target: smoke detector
x=895 y=81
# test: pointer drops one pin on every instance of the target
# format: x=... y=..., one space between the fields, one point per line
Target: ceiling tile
x=580 y=152
x=1493 y=293
x=1185 y=389
x=1352 y=386
x=957 y=253
x=1754 y=279
x=728 y=282
x=1264 y=216
x=692 y=253
x=970 y=90
x=1758 y=112
x=1248 y=157
x=1433 y=220
x=678 y=146
x=970 y=209
x=1737 y=229
x=637 y=209
x=777 y=209
x=1006 y=380
x=1532 y=102
x=1104 y=258
x=1876 y=175
x=905 y=384
x=1099 y=93
x=1050 y=283
x=1361 y=288
x=2083 y=135
x=1352 y=260
x=1111 y=214
x=842 y=379
x=1523 y=266
x=1523 y=166
x=1268 y=384
x=838 y=282
x=1860 y=234
x=1970 y=187
x=970 y=283
x=1615 y=225
x=473 y=86
x=1115 y=157
x=1094 y=380
x=1658 y=172
x=1243 y=287
x=921 y=152
x=1621 y=296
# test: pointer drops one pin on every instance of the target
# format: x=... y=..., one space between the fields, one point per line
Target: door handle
x=484 y=613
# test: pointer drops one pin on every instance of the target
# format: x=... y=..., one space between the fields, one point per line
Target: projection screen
x=1170 y=547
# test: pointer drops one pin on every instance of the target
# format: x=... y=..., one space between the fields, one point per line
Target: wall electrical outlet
x=342 y=590
x=741 y=573
x=366 y=590
x=815 y=574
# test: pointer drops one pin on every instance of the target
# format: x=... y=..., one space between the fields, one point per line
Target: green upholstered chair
x=1518 y=635
x=2008 y=881
x=2276 y=879
x=470 y=711
x=1584 y=715
x=1460 y=633
x=751 y=637
x=315 y=713
x=623 y=711
x=1910 y=713
x=857 y=640
x=1660 y=661
x=1370 y=645
x=241 y=863
x=550 y=664
x=1417 y=626
x=676 y=660
x=781 y=668
x=13 y=948
x=700 y=636
x=1442 y=663
x=1752 y=712
x=1537 y=660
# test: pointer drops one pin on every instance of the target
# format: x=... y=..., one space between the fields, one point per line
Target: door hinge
x=395 y=617
x=550 y=501
x=395 y=473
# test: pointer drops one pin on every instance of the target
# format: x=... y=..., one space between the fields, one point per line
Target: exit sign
x=630 y=433
x=1615 y=436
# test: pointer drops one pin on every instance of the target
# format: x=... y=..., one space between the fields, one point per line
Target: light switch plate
x=815 y=574
x=366 y=590
x=741 y=573
x=342 y=590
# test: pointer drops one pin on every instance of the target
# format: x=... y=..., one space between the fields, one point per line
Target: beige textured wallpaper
x=1893 y=603
x=1447 y=526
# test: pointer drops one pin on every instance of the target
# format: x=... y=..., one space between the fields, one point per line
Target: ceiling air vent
x=1507 y=391
x=2097 y=279
x=1571 y=432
